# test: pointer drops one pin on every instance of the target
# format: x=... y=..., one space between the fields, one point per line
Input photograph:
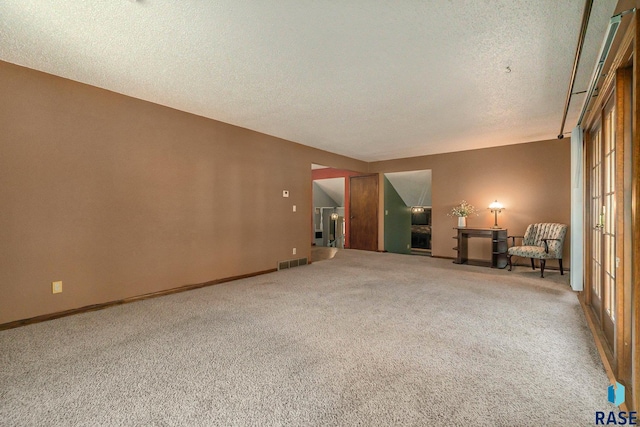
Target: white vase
x=462 y=221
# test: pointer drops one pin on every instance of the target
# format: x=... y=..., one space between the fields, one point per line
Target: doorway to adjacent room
x=328 y=212
x=407 y=212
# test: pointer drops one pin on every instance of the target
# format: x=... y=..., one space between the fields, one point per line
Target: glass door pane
x=602 y=192
x=609 y=215
x=596 y=220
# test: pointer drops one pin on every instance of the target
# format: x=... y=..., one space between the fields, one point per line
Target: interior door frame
x=635 y=218
x=621 y=76
x=624 y=168
x=611 y=333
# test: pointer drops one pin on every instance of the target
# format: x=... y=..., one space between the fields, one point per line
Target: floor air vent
x=292 y=263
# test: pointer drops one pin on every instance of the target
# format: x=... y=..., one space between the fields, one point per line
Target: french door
x=602 y=221
x=612 y=211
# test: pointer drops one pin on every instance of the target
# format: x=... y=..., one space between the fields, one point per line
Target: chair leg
x=509 y=259
x=542 y=268
x=533 y=266
x=561 y=269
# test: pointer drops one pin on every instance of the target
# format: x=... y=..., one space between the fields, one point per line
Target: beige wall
x=531 y=180
x=119 y=197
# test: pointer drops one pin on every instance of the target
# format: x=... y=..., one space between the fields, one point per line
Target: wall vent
x=292 y=263
x=283 y=264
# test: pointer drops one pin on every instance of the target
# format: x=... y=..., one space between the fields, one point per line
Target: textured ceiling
x=368 y=79
x=413 y=187
x=334 y=187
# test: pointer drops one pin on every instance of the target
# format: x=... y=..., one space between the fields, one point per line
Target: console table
x=498 y=238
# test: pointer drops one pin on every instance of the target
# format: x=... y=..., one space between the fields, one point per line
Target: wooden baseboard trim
x=599 y=338
x=95 y=307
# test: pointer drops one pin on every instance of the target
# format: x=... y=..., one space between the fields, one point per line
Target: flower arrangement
x=464 y=209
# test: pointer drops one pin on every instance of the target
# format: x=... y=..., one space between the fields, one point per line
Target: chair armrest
x=546 y=245
x=513 y=239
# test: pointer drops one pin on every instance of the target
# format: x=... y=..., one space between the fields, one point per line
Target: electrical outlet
x=294 y=251
x=285 y=193
x=56 y=287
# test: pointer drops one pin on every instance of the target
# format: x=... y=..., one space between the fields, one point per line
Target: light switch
x=285 y=193
x=294 y=208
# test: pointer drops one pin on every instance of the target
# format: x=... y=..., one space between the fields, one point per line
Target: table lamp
x=496 y=207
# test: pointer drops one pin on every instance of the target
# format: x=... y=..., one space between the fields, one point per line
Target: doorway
x=611 y=183
x=333 y=219
x=329 y=212
x=407 y=212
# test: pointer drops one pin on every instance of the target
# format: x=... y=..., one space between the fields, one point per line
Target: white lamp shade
x=496 y=206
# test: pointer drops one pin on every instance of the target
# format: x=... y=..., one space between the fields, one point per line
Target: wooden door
x=602 y=224
x=364 y=212
x=612 y=226
x=595 y=222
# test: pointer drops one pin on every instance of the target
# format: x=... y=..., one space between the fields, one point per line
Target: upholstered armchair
x=541 y=241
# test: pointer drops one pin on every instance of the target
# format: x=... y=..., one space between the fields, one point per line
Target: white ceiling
x=334 y=187
x=370 y=79
x=413 y=187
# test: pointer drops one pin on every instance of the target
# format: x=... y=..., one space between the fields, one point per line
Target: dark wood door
x=364 y=212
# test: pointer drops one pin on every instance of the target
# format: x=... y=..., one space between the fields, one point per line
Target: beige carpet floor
x=364 y=339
